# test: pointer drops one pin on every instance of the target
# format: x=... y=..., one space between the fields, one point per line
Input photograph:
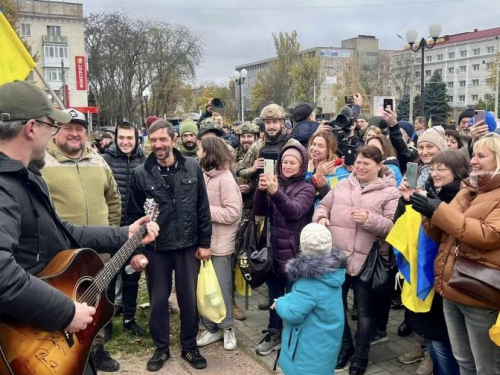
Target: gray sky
x=237 y=32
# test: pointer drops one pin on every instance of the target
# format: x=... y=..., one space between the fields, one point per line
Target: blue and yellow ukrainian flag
x=415 y=254
x=15 y=60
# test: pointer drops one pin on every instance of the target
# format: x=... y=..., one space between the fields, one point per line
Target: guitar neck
x=104 y=277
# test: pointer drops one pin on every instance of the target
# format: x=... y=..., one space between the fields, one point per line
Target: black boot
x=404 y=329
x=103 y=361
x=358 y=366
x=344 y=357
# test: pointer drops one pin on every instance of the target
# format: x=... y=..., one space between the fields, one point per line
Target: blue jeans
x=444 y=363
x=278 y=285
x=468 y=328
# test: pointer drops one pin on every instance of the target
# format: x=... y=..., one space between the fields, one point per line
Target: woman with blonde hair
x=468 y=230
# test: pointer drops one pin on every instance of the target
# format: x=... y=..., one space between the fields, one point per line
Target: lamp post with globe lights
x=239 y=78
x=411 y=38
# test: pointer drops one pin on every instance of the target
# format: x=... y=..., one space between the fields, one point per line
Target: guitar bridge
x=69 y=338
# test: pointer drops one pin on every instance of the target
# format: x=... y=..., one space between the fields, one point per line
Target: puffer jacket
x=225 y=209
x=304 y=130
x=313 y=315
x=290 y=210
x=471 y=220
x=122 y=166
x=379 y=198
x=184 y=218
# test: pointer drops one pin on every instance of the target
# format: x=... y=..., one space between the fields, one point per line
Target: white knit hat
x=315 y=238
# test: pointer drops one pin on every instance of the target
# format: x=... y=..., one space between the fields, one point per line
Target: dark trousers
x=278 y=285
x=365 y=305
x=130 y=289
x=159 y=280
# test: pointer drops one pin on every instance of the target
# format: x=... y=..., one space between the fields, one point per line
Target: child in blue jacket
x=313 y=310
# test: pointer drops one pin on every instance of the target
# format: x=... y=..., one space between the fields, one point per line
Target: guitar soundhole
x=86 y=291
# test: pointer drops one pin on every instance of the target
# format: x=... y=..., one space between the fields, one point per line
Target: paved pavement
x=383 y=356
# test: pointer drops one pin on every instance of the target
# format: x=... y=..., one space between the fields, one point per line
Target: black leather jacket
x=185 y=217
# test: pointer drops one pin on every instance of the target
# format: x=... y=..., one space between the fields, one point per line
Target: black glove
x=426 y=206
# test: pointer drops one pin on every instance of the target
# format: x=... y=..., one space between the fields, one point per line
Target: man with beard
x=188 y=133
x=270 y=145
x=84 y=192
x=176 y=182
x=31 y=232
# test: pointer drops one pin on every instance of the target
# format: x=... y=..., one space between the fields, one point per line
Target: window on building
x=440 y=71
x=54 y=30
x=490 y=49
x=461 y=98
x=475 y=97
x=475 y=82
x=428 y=73
x=463 y=53
x=463 y=68
x=450 y=85
x=418 y=60
x=428 y=58
x=451 y=70
x=450 y=98
x=475 y=67
x=417 y=87
x=488 y=65
x=417 y=74
x=476 y=51
x=451 y=55
x=55 y=74
x=440 y=57
x=55 y=51
x=462 y=83
x=26 y=29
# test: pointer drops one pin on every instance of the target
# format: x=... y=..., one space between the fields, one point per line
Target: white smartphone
x=269 y=166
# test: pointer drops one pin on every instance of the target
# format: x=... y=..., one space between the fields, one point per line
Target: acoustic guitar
x=81 y=275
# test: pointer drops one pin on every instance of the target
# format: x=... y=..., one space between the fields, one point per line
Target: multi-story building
x=55 y=32
x=363 y=49
x=464 y=61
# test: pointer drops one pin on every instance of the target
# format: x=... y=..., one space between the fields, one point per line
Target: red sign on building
x=81 y=73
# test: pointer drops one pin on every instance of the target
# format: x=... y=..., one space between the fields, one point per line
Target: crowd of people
x=426 y=199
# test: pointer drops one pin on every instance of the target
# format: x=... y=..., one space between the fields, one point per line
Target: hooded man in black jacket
x=31 y=232
x=176 y=183
x=122 y=157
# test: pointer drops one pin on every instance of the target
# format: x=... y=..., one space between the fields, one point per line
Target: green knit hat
x=188 y=126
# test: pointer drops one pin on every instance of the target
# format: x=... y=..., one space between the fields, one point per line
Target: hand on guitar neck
x=152 y=229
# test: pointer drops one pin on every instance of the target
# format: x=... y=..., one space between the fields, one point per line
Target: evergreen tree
x=404 y=107
x=435 y=98
x=416 y=107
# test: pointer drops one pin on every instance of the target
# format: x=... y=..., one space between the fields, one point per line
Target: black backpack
x=255 y=264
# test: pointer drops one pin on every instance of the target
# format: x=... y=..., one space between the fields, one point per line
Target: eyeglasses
x=440 y=170
x=55 y=127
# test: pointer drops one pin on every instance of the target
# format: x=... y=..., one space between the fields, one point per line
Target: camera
x=217 y=103
x=349 y=100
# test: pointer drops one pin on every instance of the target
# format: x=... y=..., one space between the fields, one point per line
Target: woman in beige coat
x=225 y=210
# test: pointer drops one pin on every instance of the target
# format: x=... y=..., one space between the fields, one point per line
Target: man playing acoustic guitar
x=31 y=232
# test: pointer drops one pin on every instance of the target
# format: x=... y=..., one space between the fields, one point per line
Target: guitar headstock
x=151 y=209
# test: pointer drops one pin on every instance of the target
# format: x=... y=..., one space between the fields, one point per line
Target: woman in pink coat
x=225 y=210
x=358 y=211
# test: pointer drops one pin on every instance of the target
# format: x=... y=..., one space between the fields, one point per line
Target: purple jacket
x=290 y=209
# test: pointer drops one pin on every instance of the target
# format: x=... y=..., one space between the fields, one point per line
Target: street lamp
x=411 y=38
x=239 y=78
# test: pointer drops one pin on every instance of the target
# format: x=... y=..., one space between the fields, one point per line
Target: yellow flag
x=15 y=60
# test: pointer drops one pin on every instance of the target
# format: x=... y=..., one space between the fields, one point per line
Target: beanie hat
x=407 y=127
x=302 y=111
x=315 y=238
x=188 y=126
x=292 y=151
x=150 y=120
x=375 y=121
x=469 y=112
x=363 y=117
x=435 y=136
x=489 y=120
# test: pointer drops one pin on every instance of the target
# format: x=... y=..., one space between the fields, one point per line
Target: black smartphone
x=389 y=104
x=350 y=154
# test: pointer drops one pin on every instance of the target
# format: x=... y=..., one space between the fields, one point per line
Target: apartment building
x=55 y=32
x=464 y=61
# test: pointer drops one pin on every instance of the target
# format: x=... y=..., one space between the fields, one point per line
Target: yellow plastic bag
x=208 y=294
x=495 y=332
x=240 y=282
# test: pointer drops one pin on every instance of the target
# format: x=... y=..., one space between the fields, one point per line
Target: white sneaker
x=229 y=339
x=207 y=338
